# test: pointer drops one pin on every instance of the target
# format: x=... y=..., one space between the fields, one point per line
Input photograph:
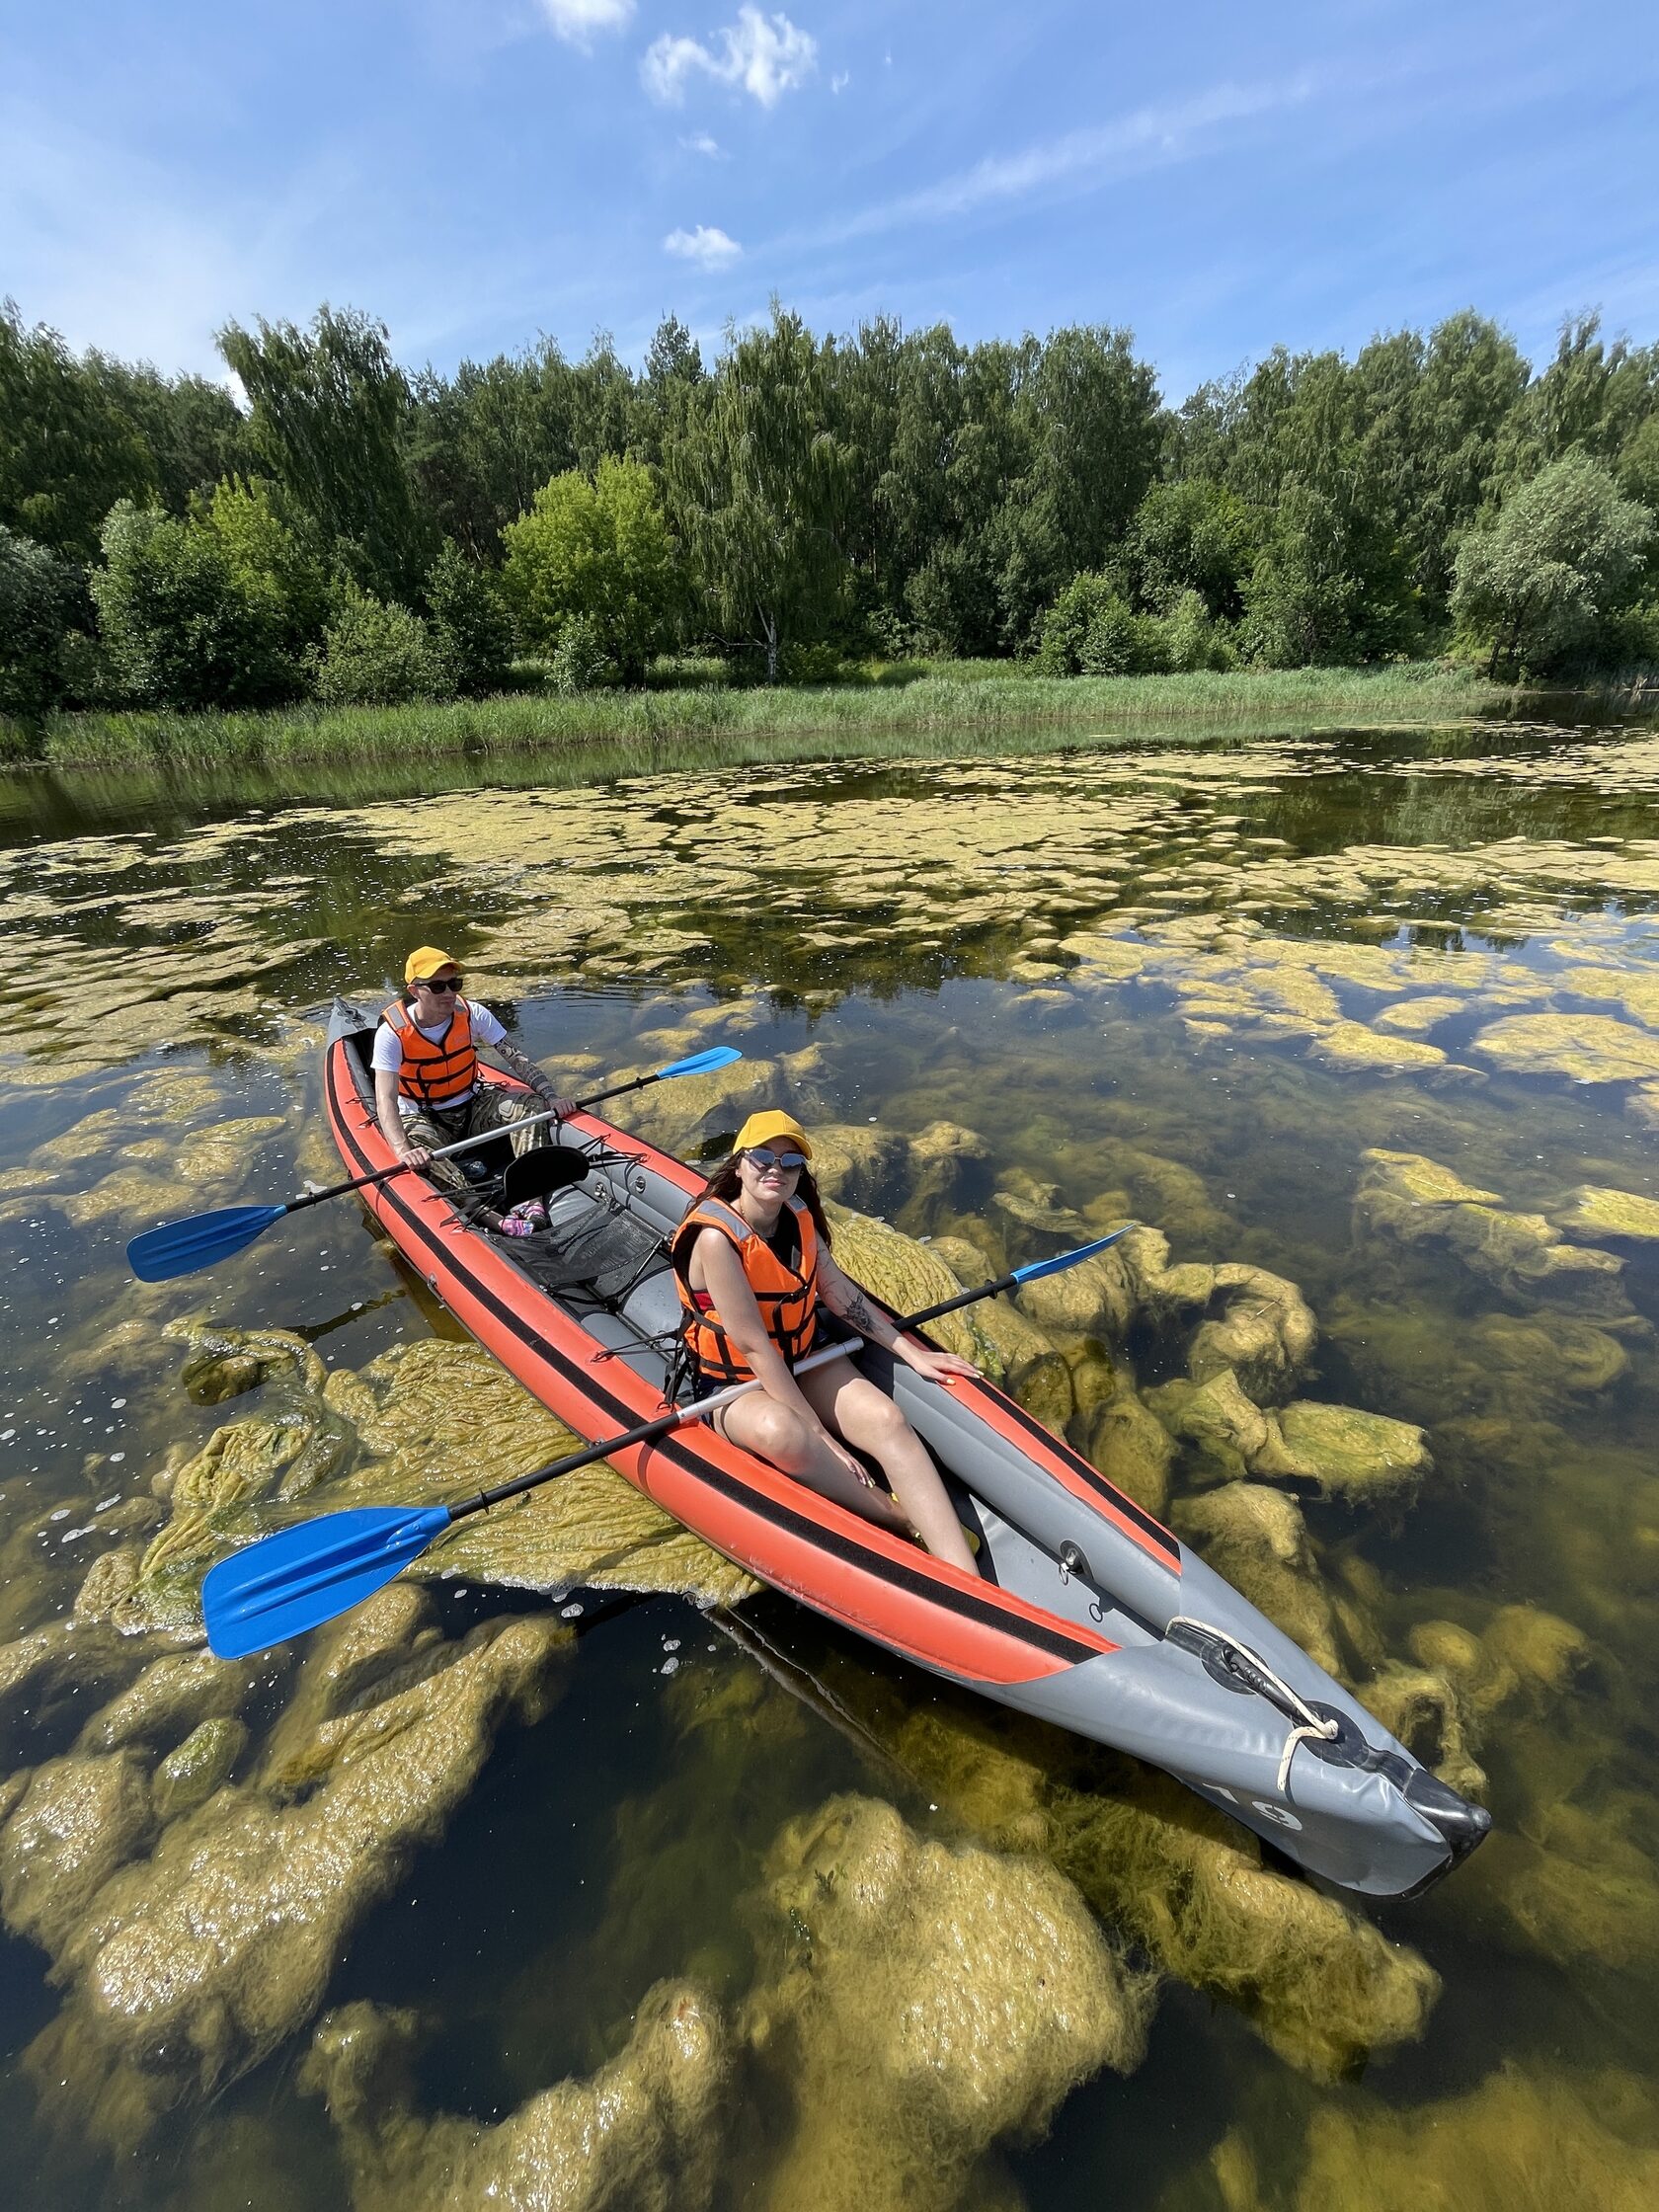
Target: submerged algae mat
x=573 y=1874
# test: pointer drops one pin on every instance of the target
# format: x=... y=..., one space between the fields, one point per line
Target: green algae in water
x=1335 y=1018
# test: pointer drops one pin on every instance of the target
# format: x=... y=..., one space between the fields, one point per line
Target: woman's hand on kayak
x=935 y=1366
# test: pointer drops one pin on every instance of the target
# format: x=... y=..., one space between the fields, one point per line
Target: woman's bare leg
x=773 y=1433
x=867 y=1419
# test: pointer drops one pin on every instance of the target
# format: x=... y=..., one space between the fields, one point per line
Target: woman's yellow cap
x=424 y=962
x=766 y=1128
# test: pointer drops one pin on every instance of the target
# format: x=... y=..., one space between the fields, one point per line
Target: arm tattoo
x=515 y=1063
x=859 y=1313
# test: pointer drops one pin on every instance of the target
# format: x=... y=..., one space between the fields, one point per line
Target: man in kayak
x=428 y=1091
x=752 y=1266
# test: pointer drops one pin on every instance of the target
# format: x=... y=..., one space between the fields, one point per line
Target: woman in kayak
x=752 y=1266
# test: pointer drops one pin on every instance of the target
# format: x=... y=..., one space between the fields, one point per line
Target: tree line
x=356 y=533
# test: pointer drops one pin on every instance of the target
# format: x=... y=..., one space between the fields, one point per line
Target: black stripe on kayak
x=1055 y=1641
x=1136 y=1515
x=1116 y=1499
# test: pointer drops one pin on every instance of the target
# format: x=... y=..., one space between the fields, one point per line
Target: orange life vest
x=434 y=1071
x=786 y=1296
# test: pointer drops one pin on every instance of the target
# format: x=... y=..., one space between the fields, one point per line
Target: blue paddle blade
x=305 y=1575
x=703 y=1064
x=181 y=1247
x=1030 y=1272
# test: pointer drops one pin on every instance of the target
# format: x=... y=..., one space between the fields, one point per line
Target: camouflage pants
x=488 y=1108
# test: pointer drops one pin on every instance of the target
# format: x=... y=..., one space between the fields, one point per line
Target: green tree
x=1194 y=639
x=471 y=636
x=1092 y=630
x=1638 y=479
x=673 y=370
x=481 y=447
x=1639 y=463
x=579 y=663
x=273 y=566
x=1334 y=576
x=36 y=593
x=933 y=439
x=1538 y=581
x=1085 y=600
x=375 y=654
x=1193 y=536
x=329 y=413
x=1592 y=395
x=598 y=546
x=1304 y=596
x=757 y=485
x=939 y=441
x=1092 y=418
x=194 y=434
x=182 y=628
x=67 y=451
x=1430 y=418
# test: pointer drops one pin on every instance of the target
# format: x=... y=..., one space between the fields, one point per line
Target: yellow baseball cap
x=425 y=962
x=766 y=1128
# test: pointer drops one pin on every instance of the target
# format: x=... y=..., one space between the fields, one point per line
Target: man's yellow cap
x=426 y=961
x=766 y=1128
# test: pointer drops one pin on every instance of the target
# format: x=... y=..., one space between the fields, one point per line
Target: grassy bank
x=968 y=699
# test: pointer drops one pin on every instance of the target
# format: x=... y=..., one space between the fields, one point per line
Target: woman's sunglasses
x=443 y=982
x=763 y=1157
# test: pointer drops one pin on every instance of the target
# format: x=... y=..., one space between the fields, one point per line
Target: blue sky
x=476 y=172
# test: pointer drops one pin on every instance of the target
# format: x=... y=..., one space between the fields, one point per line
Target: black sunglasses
x=442 y=983
x=764 y=1156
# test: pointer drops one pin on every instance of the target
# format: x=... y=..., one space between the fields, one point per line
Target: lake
x=574 y=1875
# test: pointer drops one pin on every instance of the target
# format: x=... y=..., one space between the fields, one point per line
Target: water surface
x=1209 y=987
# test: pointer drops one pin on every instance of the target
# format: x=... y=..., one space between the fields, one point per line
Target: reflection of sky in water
x=1095 y=962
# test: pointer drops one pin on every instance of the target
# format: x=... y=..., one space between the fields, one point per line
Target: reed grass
x=970 y=696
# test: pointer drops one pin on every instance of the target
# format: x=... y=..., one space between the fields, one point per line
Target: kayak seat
x=653 y=1305
x=588 y=1250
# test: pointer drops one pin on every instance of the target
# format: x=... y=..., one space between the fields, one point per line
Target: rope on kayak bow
x=1312 y=1728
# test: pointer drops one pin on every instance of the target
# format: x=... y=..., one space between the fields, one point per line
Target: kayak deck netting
x=1089 y=1613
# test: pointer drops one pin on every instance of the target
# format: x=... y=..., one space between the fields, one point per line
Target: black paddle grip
x=967 y=1298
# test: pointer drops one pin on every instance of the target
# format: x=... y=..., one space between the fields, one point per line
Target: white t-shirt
x=388 y=1052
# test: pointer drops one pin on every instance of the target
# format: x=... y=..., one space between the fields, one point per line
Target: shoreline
x=526 y=722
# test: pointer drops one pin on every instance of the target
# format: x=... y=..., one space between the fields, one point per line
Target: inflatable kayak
x=1089 y=1615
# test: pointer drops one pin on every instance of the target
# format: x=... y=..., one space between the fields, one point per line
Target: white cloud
x=706 y=246
x=701 y=143
x=576 y=20
x=765 y=56
x=1078 y=160
x=841 y=80
x=668 y=62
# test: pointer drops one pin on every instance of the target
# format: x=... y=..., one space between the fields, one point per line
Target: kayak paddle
x=201 y=1239
x=296 y=1579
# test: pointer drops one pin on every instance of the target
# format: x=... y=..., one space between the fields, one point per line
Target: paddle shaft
x=465 y=1144
x=661 y=1425
x=966 y=1298
x=664 y=1422
x=297 y=1578
x=1013 y=1280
